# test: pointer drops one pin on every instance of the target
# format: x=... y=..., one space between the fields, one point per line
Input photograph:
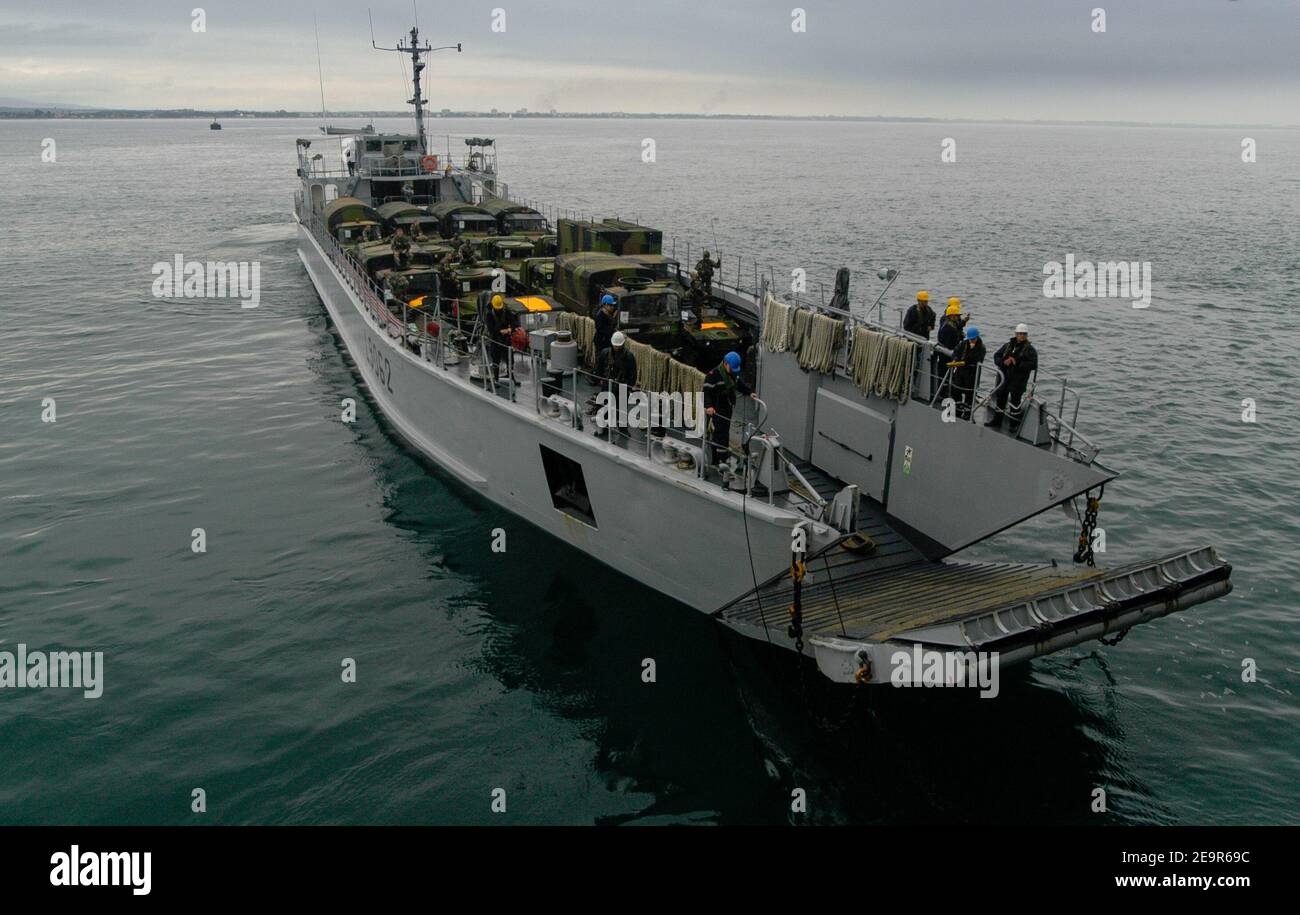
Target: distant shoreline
x=76 y=114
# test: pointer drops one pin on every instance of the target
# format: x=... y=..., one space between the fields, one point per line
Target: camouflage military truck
x=461 y=286
x=627 y=261
x=612 y=236
x=537 y=275
x=414 y=282
x=515 y=218
x=546 y=245
x=710 y=335
x=377 y=256
x=649 y=308
x=509 y=254
x=397 y=213
x=349 y=220
x=464 y=219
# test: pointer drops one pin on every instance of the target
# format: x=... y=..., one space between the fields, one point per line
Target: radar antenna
x=411 y=45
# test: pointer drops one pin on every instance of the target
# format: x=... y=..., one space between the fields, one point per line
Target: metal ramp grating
x=958 y=602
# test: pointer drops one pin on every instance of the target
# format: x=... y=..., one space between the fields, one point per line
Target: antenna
x=417 y=51
x=319 y=72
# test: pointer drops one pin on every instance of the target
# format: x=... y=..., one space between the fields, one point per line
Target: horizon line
x=58 y=112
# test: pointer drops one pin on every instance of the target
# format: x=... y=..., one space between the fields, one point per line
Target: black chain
x=1115 y=641
x=1084 y=552
x=795 y=629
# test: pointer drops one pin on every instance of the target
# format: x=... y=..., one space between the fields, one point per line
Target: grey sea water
x=522 y=671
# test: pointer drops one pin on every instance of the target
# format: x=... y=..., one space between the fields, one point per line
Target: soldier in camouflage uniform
x=466 y=253
x=398 y=285
x=401 y=248
x=446 y=278
x=417 y=234
x=704 y=273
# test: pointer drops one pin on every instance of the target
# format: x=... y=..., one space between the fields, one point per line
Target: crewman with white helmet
x=1017 y=360
x=616 y=363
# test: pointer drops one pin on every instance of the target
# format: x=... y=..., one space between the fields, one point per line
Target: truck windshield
x=526 y=224
x=648 y=305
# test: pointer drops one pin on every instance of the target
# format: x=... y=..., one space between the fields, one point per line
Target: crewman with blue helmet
x=606 y=324
x=721 y=385
x=965 y=363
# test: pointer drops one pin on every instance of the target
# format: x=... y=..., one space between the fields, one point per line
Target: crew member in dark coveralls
x=951 y=330
x=616 y=366
x=606 y=324
x=1017 y=359
x=965 y=363
x=617 y=363
x=500 y=323
x=920 y=317
x=721 y=385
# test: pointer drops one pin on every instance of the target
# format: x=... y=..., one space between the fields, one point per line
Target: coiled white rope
x=822 y=345
x=776 y=325
x=882 y=364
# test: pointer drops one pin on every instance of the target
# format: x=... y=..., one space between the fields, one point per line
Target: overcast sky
x=1205 y=61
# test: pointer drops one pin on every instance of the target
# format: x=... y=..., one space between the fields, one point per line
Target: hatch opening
x=568 y=486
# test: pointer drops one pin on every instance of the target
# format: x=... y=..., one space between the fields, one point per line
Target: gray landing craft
x=862 y=465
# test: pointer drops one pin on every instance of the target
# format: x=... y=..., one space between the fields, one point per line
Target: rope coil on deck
x=776 y=325
x=882 y=364
x=814 y=338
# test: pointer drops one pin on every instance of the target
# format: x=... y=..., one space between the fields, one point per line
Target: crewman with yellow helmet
x=500 y=323
x=951 y=332
x=920 y=317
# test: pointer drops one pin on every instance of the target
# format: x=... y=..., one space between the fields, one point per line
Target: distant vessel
x=331 y=131
x=214 y=125
x=833 y=536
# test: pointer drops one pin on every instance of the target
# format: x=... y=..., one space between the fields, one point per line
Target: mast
x=411 y=45
x=320 y=73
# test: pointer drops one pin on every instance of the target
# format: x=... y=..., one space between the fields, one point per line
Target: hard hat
x=954 y=306
x=1022 y=328
x=733 y=361
x=607 y=300
x=618 y=339
x=923 y=296
x=972 y=332
x=498 y=302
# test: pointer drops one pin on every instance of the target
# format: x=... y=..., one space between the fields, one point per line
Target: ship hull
x=494 y=447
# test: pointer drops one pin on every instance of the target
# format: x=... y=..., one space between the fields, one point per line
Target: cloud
x=1159 y=60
